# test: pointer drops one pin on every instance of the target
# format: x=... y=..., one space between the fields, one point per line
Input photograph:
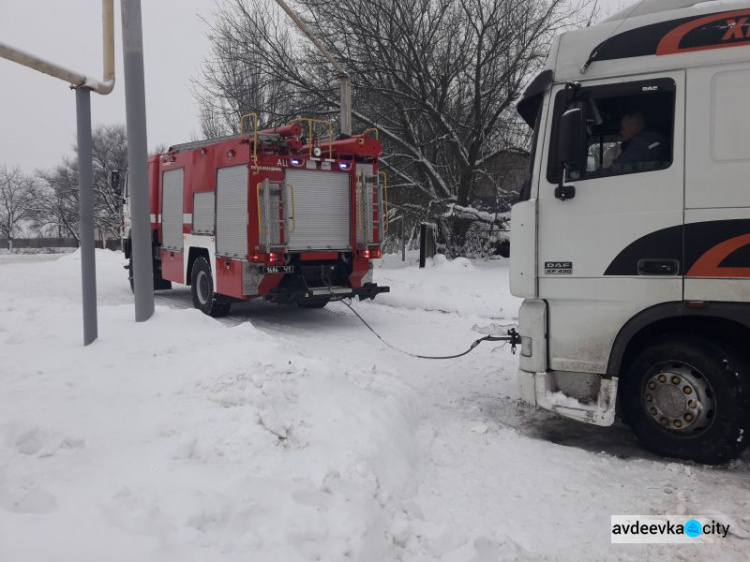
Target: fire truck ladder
x=369 y=208
x=273 y=223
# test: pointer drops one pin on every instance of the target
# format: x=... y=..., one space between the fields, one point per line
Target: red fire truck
x=268 y=214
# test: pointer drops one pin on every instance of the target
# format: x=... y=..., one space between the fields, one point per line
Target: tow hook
x=513 y=338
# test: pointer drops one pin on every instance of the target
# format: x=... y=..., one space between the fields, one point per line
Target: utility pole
x=135 y=108
x=86 y=215
x=344 y=79
x=83 y=86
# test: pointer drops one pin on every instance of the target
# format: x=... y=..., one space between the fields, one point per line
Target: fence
x=39 y=243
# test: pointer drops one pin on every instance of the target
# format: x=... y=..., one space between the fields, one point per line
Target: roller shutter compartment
x=321 y=210
x=172 y=209
x=231 y=212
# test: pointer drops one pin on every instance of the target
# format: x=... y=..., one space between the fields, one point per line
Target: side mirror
x=572 y=149
x=573 y=139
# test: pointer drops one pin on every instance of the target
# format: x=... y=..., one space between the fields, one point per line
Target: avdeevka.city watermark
x=667 y=529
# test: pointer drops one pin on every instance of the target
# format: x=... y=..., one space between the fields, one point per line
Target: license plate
x=276 y=269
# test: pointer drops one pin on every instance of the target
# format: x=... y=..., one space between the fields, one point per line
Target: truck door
x=613 y=247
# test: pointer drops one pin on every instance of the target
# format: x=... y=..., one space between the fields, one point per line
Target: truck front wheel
x=689 y=398
x=202 y=286
x=160 y=284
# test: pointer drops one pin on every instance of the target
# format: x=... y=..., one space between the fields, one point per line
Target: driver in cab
x=640 y=150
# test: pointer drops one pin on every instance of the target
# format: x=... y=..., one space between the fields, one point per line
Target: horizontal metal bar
x=75 y=79
x=332 y=291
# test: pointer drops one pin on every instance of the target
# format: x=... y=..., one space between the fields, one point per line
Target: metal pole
x=403 y=238
x=83 y=86
x=86 y=210
x=344 y=80
x=103 y=87
x=422 y=245
x=135 y=107
x=346 y=105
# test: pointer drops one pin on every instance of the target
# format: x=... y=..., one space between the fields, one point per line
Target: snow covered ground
x=282 y=434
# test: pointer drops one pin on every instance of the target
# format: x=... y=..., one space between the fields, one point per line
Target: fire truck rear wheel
x=202 y=287
x=688 y=398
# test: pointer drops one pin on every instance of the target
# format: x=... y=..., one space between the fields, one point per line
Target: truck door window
x=630 y=129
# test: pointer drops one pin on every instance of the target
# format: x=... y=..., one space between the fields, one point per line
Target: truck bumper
x=365 y=292
x=543 y=390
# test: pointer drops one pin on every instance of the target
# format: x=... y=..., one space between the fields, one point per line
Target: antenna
x=595 y=52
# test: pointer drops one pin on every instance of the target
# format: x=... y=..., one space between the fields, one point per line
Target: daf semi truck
x=631 y=242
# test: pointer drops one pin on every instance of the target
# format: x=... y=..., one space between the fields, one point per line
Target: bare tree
x=238 y=83
x=58 y=203
x=438 y=78
x=18 y=196
x=59 y=207
x=110 y=154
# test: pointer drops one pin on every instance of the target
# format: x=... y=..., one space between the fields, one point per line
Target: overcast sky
x=37 y=113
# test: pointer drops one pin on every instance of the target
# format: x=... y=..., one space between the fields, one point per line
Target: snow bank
x=185 y=439
x=469 y=288
x=457 y=264
x=298 y=435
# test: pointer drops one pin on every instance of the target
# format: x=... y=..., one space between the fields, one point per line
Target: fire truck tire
x=160 y=284
x=202 y=288
x=314 y=302
x=688 y=398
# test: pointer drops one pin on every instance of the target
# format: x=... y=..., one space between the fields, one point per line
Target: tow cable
x=513 y=338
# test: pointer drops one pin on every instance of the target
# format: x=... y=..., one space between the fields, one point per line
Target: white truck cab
x=631 y=242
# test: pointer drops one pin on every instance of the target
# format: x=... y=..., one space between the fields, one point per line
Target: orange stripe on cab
x=708 y=265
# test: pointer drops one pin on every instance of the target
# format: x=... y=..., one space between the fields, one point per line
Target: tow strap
x=513 y=338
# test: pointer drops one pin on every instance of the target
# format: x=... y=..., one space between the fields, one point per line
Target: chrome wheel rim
x=679 y=398
x=202 y=287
